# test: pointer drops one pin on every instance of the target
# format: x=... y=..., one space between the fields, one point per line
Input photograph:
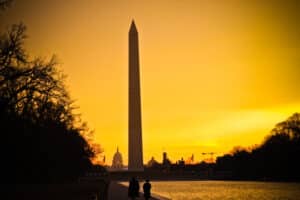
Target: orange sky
x=214 y=74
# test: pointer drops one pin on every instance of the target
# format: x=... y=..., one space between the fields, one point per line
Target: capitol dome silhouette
x=117 y=162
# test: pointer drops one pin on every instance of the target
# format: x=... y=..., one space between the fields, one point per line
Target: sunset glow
x=214 y=75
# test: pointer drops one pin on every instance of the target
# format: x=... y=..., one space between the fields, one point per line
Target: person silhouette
x=147 y=189
x=134 y=188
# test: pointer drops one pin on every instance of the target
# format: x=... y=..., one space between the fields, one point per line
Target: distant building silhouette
x=135 y=146
x=166 y=161
x=181 y=162
x=152 y=162
x=117 y=162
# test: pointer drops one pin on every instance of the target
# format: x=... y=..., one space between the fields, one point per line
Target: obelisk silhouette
x=135 y=146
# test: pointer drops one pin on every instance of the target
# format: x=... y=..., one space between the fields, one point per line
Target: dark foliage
x=4 y=4
x=41 y=139
x=278 y=158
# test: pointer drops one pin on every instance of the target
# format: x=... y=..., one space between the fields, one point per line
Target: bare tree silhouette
x=41 y=138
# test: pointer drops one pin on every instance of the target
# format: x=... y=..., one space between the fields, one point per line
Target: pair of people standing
x=134 y=189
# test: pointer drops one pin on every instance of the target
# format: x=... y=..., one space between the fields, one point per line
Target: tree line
x=277 y=158
x=42 y=140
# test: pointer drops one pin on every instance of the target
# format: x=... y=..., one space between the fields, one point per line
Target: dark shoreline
x=184 y=176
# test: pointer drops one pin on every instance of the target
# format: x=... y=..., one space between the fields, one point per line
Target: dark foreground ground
x=72 y=191
x=77 y=191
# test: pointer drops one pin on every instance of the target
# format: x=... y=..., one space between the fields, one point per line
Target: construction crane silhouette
x=209 y=153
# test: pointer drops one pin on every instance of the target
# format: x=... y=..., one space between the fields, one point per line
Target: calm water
x=226 y=190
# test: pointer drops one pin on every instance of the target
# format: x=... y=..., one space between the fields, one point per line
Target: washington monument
x=135 y=146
